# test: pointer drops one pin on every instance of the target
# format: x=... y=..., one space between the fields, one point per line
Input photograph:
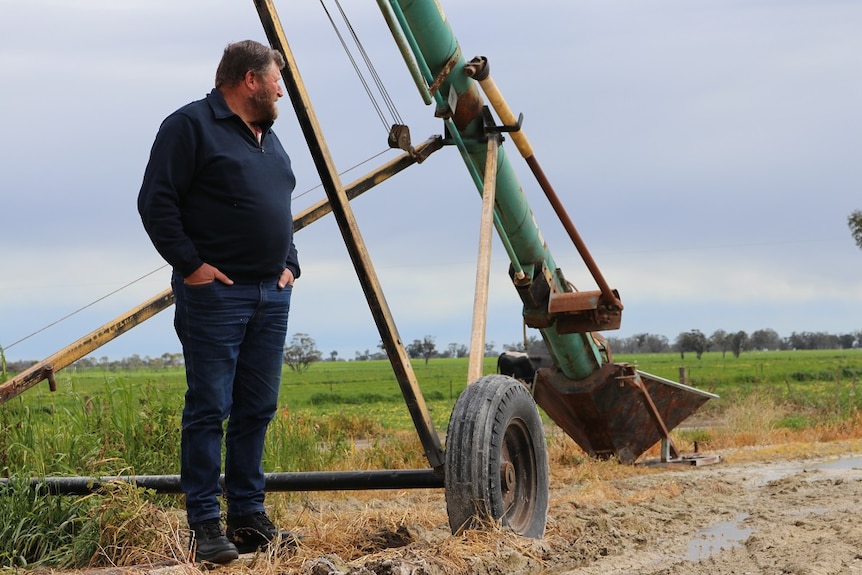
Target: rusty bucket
x=618 y=411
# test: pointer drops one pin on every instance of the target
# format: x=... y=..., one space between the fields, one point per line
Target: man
x=215 y=201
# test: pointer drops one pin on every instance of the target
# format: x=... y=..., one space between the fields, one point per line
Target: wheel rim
x=518 y=476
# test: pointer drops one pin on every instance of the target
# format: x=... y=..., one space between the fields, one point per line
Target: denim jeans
x=233 y=343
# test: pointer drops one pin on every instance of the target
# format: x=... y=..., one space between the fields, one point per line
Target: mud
x=781 y=516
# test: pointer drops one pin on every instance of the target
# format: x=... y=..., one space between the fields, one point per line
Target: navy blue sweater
x=212 y=194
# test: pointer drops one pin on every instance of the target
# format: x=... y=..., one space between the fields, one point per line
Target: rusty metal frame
x=349 y=228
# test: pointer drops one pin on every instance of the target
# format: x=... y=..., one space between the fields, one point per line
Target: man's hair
x=242 y=57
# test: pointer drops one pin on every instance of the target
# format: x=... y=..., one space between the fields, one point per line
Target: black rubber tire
x=496 y=459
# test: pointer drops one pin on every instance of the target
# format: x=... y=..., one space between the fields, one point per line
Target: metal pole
x=352 y=237
x=478 y=69
x=93 y=340
x=295 y=481
x=483 y=266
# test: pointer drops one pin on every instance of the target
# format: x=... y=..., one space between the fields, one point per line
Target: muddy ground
x=782 y=510
x=777 y=512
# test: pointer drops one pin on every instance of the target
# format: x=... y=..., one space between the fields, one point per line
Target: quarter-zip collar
x=222 y=111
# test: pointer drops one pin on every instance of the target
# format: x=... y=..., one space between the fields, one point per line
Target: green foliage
x=119 y=525
x=794 y=422
x=301 y=352
x=854 y=222
x=36 y=529
x=823 y=382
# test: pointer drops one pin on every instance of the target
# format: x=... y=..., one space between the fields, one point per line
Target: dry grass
x=347 y=530
x=133 y=531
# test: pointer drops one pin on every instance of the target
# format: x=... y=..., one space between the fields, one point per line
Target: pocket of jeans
x=198 y=286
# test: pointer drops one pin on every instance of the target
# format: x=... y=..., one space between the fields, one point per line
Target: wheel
x=496 y=459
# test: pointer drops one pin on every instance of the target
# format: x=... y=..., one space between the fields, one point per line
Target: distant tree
x=514 y=346
x=456 y=350
x=847 y=340
x=639 y=343
x=854 y=222
x=533 y=344
x=765 y=339
x=134 y=361
x=301 y=352
x=333 y=355
x=424 y=348
x=654 y=343
x=693 y=340
x=813 y=340
x=427 y=348
x=738 y=343
x=490 y=349
x=719 y=340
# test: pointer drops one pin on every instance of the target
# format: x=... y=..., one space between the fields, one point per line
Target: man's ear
x=249 y=79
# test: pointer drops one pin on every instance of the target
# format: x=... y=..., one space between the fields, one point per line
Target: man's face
x=266 y=95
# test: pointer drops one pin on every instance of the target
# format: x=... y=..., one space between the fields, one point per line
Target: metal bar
x=607 y=293
x=655 y=415
x=403 y=47
x=368 y=181
x=352 y=237
x=435 y=41
x=95 y=339
x=295 y=481
x=483 y=266
x=479 y=69
x=423 y=70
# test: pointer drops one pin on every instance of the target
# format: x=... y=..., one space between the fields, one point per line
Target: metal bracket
x=491 y=128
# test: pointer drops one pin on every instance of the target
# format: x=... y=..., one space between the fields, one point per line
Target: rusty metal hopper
x=618 y=411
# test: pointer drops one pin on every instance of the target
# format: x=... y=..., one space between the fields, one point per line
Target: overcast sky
x=708 y=152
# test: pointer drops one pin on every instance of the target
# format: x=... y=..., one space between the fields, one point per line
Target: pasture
x=341 y=402
x=104 y=423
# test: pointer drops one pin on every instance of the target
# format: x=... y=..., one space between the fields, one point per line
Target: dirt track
x=785 y=515
x=780 y=517
x=783 y=510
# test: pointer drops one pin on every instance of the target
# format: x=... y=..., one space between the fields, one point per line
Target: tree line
x=697 y=342
x=302 y=350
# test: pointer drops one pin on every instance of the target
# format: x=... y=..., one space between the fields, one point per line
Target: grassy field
x=131 y=418
x=106 y=423
x=809 y=378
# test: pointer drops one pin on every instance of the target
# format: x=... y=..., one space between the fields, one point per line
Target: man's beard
x=265 y=108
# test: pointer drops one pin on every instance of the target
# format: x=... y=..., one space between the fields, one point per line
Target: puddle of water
x=719 y=537
x=842 y=464
x=844 y=467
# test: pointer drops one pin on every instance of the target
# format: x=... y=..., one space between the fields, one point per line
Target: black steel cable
x=356 y=67
x=79 y=310
x=390 y=104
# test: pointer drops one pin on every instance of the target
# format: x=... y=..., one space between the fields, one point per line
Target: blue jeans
x=233 y=344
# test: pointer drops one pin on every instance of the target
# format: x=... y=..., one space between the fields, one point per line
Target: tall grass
x=346 y=415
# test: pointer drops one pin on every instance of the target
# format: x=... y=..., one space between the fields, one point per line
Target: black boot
x=252 y=532
x=210 y=543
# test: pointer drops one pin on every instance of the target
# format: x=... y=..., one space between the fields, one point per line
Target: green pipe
x=436 y=48
x=394 y=25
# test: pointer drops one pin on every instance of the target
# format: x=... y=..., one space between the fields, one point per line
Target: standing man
x=215 y=201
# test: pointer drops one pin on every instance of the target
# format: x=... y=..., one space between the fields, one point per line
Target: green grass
x=106 y=423
x=823 y=382
x=823 y=379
